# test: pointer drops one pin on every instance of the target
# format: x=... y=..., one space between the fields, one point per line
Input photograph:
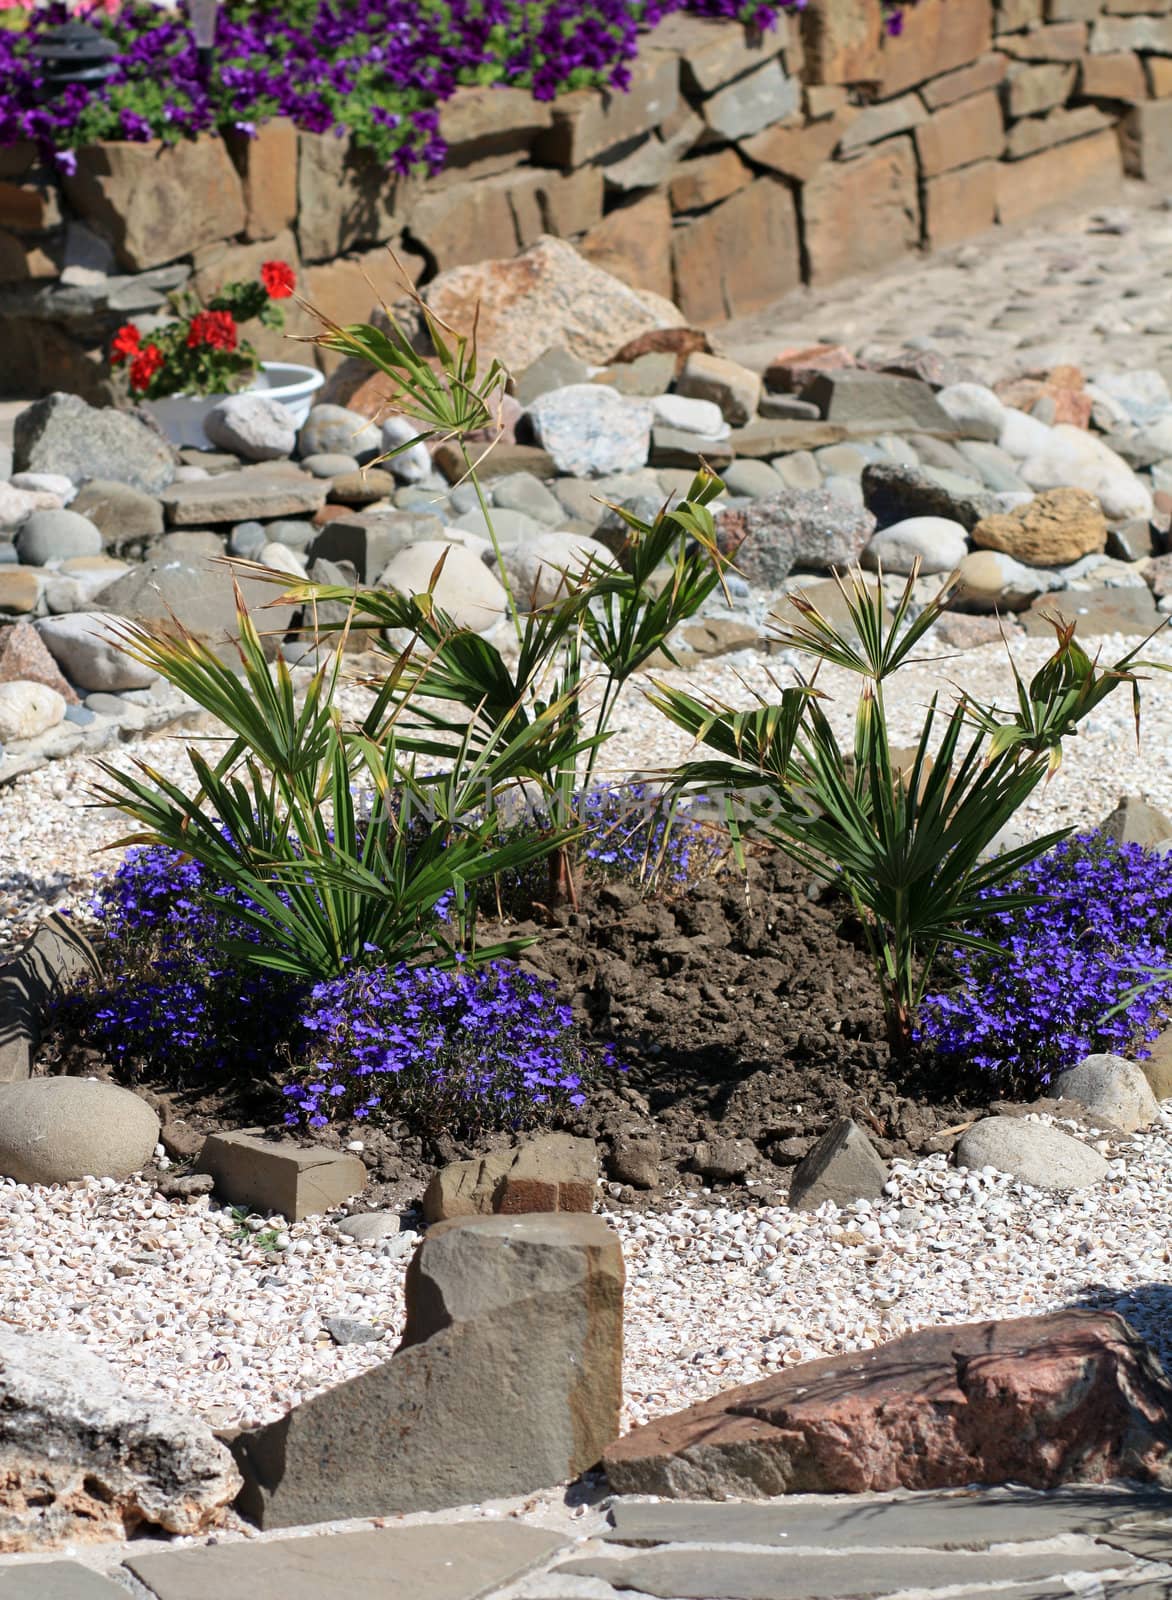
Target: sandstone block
x=987 y=73
x=554 y=1172
x=1150 y=33
x=156 y=202
x=734 y=388
x=860 y=214
x=882 y=121
x=466 y=223
x=634 y=244
x=1054 y=529
x=278 y=1175
x=970 y=131
x=242 y=496
x=588 y=121
x=1146 y=133
x=1057 y=127
x=344 y=198
x=797 y=152
x=1057 y=41
x=945 y=37
x=959 y=204
x=509 y=1379
x=479 y=121
x=1119 y=76
x=267 y=164
x=1072 y=176
x=739 y=256
x=842 y=40
x=707 y=180
x=1032 y=89
x=713 y=53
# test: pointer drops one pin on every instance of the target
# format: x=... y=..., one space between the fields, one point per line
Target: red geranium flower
x=214 y=328
x=278 y=278
x=144 y=366
x=125 y=343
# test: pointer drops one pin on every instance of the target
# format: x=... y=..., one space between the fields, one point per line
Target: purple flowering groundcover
x=377 y=68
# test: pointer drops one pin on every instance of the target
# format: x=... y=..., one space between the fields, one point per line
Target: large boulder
x=82 y=1459
x=1112 y=1089
x=548 y=295
x=1073 y=1397
x=509 y=1379
x=1075 y=458
x=1053 y=530
x=465 y=589
x=795 y=528
x=1032 y=1152
x=83 y=646
x=55 y=1130
x=63 y=434
x=591 y=430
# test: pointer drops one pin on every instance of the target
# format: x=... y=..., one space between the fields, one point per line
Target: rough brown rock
x=24 y=657
x=796 y=151
x=1075 y=1396
x=344 y=198
x=861 y=214
x=267 y=164
x=548 y=295
x=82 y=1460
x=959 y=204
x=945 y=37
x=156 y=202
x=842 y=41
x=588 y=121
x=555 y=1172
x=1054 y=529
x=708 y=180
x=509 y=1379
x=1119 y=76
x=986 y=73
x=1147 y=139
x=971 y=130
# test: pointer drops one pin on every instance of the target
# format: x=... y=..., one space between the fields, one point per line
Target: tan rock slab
x=972 y=130
x=491 y=117
x=58 y=1580
x=240 y=496
x=344 y=198
x=156 y=202
x=960 y=204
x=20 y=589
x=797 y=151
x=1071 y=177
x=1057 y=41
x=465 y=223
x=712 y=52
x=882 y=121
x=1026 y=138
x=1053 y=530
x=987 y=73
x=1146 y=134
x=1034 y=88
x=862 y=214
x=278 y=1175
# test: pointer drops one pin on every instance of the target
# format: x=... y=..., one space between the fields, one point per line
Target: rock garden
x=588 y=904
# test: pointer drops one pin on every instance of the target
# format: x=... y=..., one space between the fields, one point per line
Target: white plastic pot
x=182 y=416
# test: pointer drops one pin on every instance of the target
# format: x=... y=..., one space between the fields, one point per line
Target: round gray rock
x=333 y=430
x=938 y=543
x=55 y=1130
x=329 y=464
x=56 y=536
x=1112 y=1088
x=1032 y=1152
x=254 y=426
x=371 y=1225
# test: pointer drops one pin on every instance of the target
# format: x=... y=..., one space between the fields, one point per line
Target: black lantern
x=74 y=52
x=203 y=30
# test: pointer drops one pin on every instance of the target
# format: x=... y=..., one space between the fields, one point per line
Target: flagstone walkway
x=1097 y=1544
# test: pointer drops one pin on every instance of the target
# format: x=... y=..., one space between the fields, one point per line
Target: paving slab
x=936 y=1522
x=706 y=1574
x=1154 y=1542
x=448 y=1561
x=57 y=1580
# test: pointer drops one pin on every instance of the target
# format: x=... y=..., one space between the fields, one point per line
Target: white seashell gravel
x=187 y=1304
x=184 y=1305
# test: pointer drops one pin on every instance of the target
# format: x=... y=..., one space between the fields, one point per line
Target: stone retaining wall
x=735 y=169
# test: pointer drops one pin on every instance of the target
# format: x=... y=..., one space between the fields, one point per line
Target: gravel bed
x=184 y=1306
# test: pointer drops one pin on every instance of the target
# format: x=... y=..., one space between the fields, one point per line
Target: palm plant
x=907 y=844
x=458 y=690
x=333 y=843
